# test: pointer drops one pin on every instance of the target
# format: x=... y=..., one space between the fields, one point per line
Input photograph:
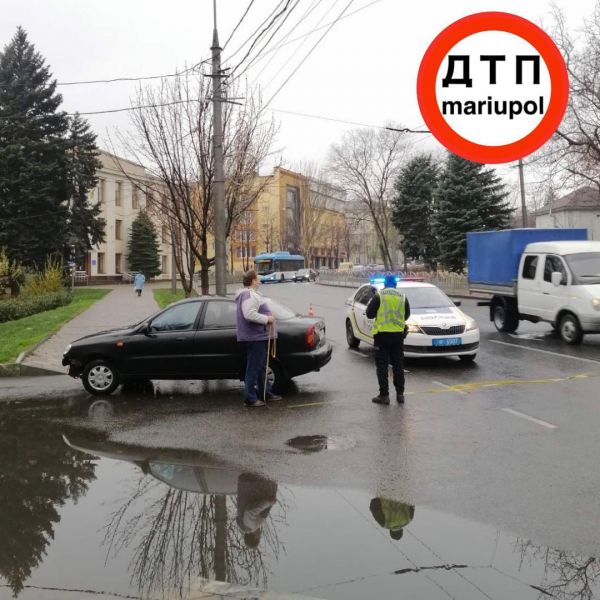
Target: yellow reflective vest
x=390 y=316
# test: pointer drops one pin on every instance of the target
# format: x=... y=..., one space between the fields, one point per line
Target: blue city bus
x=277 y=266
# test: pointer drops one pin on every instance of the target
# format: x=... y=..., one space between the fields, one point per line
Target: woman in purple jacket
x=255 y=324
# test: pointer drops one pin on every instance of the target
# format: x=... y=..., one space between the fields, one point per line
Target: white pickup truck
x=557 y=282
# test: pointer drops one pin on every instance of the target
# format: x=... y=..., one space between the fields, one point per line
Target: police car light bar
x=399 y=278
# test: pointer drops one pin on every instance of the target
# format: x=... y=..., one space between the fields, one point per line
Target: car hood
x=436 y=317
x=108 y=334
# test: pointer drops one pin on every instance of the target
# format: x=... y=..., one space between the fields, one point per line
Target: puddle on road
x=318 y=443
x=79 y=512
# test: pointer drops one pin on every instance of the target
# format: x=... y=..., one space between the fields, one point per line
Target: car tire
x=353 y=341
x=280 y=382
x=99 y=377
x=505 y=318
x=467 y=358
x=570 y=330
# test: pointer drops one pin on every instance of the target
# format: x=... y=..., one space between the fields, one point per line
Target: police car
x=436 y=327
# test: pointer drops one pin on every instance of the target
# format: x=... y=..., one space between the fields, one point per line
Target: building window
x=118 y=227
x=101 y=263
x=165 y=264
x=244 y=252
x=165 y=234
x=135 y=203
x=118 y=263
x=101 y=188
x=118 y=186
x=149 y=198
x=245 y=236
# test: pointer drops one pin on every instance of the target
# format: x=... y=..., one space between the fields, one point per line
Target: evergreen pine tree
x=468 y=197
x=85 y=227
x=33 y=182
x=412 y=208
x=143 y=246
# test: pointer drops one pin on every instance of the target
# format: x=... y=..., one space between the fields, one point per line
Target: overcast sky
x=363 y=71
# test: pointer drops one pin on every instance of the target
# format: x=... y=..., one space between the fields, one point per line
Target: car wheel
x=467 y=358
x=277 y=378
x=353 y=341
x=506 y=320
x=570 y=330
x=99 y=377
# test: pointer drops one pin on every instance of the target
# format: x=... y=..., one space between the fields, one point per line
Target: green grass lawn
x=16 y=336
x=164 y=296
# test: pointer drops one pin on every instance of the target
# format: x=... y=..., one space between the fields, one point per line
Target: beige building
x=579 y=209
x=121 y=202
x=293 y=213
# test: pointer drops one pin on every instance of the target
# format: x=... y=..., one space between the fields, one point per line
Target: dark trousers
x=256 y=362
x=389 y=349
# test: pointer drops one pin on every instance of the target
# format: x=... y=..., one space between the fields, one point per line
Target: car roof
x=566 y=247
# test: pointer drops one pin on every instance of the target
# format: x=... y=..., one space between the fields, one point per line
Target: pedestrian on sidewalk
x=138 y=283
x=390 y=309
x=255 y=326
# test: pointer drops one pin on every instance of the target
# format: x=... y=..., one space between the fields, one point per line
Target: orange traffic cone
x=311 y=312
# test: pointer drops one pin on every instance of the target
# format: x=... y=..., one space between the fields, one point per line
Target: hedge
x=11 y=310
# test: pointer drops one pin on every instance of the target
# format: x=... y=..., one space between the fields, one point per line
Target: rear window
x=530 y=267
x=280 y=312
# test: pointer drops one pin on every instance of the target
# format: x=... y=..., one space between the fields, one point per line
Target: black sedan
x=193 y=339
x=305 y=275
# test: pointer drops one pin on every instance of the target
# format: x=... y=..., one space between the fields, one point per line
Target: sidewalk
x=118 y=308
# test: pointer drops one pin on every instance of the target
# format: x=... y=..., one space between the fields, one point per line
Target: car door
x=361 y=300
x=217 y=353
x=529 y=284
x=164 y=349
x=552 y=298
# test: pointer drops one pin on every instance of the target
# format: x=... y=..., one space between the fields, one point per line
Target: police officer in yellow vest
x=390 y=309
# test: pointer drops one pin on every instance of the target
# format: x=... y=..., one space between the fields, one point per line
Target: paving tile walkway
x=120 y=307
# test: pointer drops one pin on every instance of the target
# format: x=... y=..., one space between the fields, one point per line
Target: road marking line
x=529 y=418
x=588 y=360
x=450 y=388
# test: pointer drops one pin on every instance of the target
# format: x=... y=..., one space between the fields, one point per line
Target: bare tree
x=573 y=154
x=365 y=163
x=173 y=141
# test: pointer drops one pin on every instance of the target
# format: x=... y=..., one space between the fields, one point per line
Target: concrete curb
x=20 y=370
x=23 y=355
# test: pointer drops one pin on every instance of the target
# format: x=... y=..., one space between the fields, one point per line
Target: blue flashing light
x=381 y=280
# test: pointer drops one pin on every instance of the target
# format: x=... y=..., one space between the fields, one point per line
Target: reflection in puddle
x=158 y=523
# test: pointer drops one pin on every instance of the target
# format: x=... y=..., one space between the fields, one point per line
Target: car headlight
x=413 y=328
x=471 y=324
x=67 y=348
x=596 y=303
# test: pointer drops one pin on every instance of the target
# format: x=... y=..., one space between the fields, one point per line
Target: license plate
x=447 y=342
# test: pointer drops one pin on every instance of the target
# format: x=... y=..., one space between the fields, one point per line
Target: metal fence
x=451 y=283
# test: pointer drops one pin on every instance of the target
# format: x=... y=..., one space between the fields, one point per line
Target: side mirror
x=556 y=278
x=459 y=303
x=146 y=328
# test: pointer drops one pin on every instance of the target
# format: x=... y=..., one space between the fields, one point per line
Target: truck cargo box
x=493 y=256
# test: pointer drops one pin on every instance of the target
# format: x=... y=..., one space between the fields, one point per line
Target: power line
x=274 y=49
x=281 y=24
x=267 y=28
x=259 y=56
x=309 y=52
x=238 y=24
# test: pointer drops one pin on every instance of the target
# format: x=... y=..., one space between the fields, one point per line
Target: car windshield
x=426 y=297
x=585 y=267
x=280 y=312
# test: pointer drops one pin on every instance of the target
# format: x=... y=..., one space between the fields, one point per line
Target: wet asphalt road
x=462 y=444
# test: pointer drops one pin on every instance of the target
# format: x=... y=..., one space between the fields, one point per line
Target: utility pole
x=523 y=205
x=219 y=178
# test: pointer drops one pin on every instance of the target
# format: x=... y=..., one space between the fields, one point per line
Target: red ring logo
x=441 y=46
